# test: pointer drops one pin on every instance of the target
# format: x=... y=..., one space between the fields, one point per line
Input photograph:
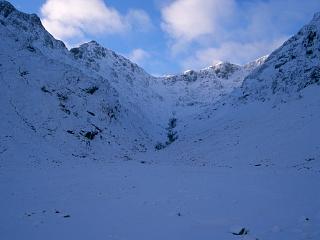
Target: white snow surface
x=79 y=130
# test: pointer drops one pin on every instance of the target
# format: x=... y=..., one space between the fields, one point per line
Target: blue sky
x=170 y=36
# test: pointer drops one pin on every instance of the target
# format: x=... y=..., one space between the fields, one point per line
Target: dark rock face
x=225 y=70
x=6 y=8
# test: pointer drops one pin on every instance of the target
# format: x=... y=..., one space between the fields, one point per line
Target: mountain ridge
x=131 y=91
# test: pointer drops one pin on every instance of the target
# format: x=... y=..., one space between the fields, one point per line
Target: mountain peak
x=6 y=8
x=221 y=63
x=25 y=28
x=316 y=17
x=91 y=45
x=92 y=48
x=94 y=43
x=9 y=12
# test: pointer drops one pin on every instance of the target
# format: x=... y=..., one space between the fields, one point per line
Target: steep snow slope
x=288 y=70
x=131 y=81
x=64 y=97
x=78 y=128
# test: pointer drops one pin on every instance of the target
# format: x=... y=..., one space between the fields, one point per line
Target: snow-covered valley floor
x=130 y=200
x=190 y=190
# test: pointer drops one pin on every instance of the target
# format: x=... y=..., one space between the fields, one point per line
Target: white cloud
x=203 y=32
x=75 y=18
x=138 y=56
x=238 y=53
x=188 y=20
x=139 y=20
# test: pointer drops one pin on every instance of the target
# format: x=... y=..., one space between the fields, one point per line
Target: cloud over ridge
x=203 y=32
x=75 y=18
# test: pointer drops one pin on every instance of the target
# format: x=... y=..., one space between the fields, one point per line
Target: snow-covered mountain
x=208 y=85
x=91 y=139
x=289 y=69
x=89 y=89
x=85 y=94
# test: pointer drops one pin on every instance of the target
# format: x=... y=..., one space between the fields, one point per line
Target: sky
x=171 y=36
